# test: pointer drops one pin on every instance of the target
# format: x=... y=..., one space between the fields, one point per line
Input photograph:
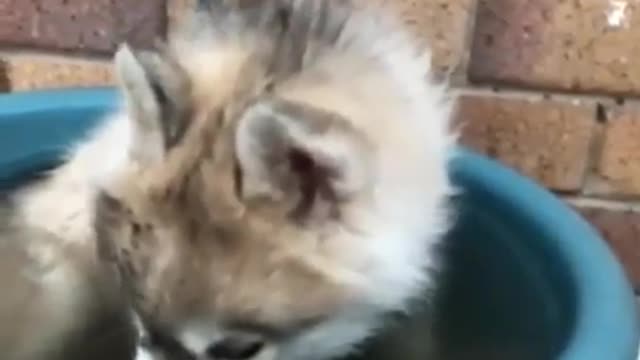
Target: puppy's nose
x=235 y=348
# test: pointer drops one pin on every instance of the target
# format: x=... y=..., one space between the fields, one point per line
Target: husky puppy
x=272 y=187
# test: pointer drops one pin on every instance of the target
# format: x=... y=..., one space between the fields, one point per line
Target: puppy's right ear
x=156 y=92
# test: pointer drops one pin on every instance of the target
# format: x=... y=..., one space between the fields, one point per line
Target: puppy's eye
x=136 y=228
x=157 y=340
x=277 y=331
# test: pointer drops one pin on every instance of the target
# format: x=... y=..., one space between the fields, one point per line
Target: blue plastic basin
x=526 y=278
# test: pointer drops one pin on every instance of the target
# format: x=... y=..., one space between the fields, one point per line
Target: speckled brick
x=30 y=73
x=618 y=165
x=440 y=23
x=543 y=139
x=621 y=229
x=583 y=45
x=80 y=25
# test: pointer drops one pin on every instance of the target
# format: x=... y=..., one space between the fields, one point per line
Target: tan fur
x=39 y=320
x=201 y=249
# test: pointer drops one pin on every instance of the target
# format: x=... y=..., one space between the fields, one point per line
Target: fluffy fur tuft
x=278 y=172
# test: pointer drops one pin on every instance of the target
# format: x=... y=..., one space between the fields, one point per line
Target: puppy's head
x=227 y=221
x=238 y=221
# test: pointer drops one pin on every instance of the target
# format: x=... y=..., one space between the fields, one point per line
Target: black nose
x=235 y=348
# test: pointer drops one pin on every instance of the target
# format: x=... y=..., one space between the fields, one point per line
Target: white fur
x=197 y=336
x=143 y=354
x=62 y=205
x=408 y=215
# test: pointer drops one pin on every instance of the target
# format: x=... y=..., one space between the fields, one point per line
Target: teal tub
x=526 y=278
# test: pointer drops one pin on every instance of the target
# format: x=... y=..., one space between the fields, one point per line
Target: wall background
x=550 y=86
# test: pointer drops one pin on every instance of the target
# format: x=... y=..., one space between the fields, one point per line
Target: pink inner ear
x=300 y=162
x=303 y=167
x=317 y=198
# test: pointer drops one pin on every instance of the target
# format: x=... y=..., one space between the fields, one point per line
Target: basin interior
x=504 y=294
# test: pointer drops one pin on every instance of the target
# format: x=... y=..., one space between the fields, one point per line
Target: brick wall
x=549 y=86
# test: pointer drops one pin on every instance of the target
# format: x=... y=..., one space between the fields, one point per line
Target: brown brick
x=586 y=45
x=621 y=229
x=440 y=23
x=543 y=139
x=618 y=166
x=4 y=77
x=89 y=25
x=29 y=73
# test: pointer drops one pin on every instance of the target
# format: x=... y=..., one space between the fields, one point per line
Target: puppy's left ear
x=156 y=91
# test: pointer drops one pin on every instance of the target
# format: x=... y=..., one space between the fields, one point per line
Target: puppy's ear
x=308 y=157
x=156 y=92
